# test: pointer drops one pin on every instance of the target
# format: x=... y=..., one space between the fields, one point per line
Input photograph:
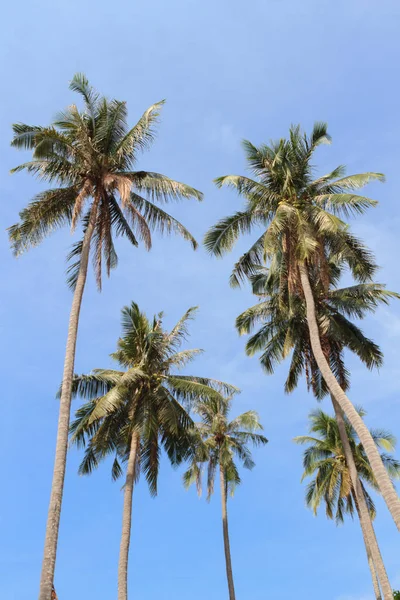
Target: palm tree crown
x=298 y=212
x=218 y=441
x=284 y=328
x=324 y=460
x=145 y=396
x=90 y=155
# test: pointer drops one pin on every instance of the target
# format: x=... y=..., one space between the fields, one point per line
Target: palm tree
x=285 y=331
x=217 y=441
x=324 y=459
x=132 y=412
x=300 y=218
x=89 y=155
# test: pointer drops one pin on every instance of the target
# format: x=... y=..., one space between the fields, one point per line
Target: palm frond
x=49 y=211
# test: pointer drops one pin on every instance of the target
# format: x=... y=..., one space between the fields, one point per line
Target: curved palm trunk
x=385 y=485
x=54 y=512
x=225 y=530
x=127 y=519
x=374 y=556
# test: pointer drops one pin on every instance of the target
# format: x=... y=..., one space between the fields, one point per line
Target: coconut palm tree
x=324 y=460
x=217 y=442
x=300 y=218
x=89 y=155
x=135 y=411
x=284 y=331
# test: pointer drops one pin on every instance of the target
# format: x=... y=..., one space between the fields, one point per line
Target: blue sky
x=229 y=70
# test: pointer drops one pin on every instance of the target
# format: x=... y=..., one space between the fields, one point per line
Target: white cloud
x=221 y=134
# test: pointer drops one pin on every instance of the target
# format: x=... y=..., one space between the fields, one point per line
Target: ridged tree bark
x=127 y=519
x=60 y=461
x=385 y=485
x=227 y=549
x=374 y=556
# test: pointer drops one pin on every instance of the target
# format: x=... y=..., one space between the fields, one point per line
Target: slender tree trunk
x=225 y=530
x=385 y=485
x=127 y=519
x=54 y=512
x=371 y=544
x=371 y=564
x=374 y=577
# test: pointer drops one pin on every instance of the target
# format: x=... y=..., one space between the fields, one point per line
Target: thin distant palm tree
x=324 y=460
x=299 y=215
x=89 y=155
x=217 y=442
x=284 y=331
x=134 y=412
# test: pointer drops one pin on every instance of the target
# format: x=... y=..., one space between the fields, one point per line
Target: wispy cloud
x=220 y=133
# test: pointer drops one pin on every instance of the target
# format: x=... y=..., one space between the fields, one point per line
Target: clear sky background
x=229 y=70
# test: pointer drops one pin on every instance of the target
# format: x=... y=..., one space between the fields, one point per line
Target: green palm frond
x=143 y=398
x=190 y=390
x=223 y=236
x=140 y=137
x=89 y=154
x=299 y=214
x=248 y=263
x=324 y=461
x=179 y=332
x=161 y=221
x=181 y=359
x=160 y=188
x=345 y=204
x=50 y=210
x=98 y=383
x=223 y=388
x=216 y=441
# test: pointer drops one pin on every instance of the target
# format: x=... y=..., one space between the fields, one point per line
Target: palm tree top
x=285 y=194
x=324 y=460
x=88 y=154
x=218 y=441
x=146 y=394
x=284 y=331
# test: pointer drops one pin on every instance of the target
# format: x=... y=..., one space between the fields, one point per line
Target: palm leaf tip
x=219 y=181
x=320 y=133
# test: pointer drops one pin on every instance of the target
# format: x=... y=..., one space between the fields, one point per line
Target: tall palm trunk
x=54 y=512
x=374 y=577
x=385 y=485
x=371 y=564
x=225 y=530
x=374 y=556
x=127 y=519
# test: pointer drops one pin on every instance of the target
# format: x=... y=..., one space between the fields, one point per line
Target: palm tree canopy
x=145 y=395
x=296 y=211
x=218 y=441
x=324 y=461
x=284 y=329
x=91 y=153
